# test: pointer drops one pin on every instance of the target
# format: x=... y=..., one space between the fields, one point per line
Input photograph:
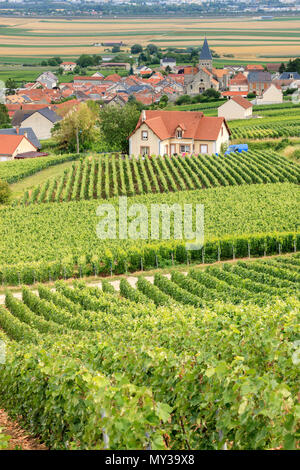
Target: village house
x=239 y=83
x=13 y=145
x=48 y=79
x=259 y=82
x=235 y=108
x=41 y=121
x=68 y=66
x=178 y=132
x=26 y=131
x=272 y=95
x=168 y=62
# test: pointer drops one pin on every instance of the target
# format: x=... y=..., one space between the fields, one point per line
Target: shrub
x=5 y=192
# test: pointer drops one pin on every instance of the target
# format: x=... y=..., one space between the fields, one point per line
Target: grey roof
x=257 y=76
x=137 y=88
x=205 y=53
x=20 y=115
x=30 y=134
x=289 y=76
x=49 y=114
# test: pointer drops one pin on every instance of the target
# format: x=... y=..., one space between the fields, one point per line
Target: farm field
x=246 y=38
x=111 y=176
x=168 y=354
x=59 y=239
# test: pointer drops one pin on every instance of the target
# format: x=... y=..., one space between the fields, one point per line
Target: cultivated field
x=246 y=38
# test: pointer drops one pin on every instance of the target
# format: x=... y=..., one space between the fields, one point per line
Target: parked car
x=237 y=148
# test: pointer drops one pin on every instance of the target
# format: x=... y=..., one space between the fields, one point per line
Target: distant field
x=246 y=38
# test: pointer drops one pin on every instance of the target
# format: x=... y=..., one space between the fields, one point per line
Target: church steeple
x=205 y=58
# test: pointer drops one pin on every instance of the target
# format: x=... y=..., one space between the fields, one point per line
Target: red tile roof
x=113 y=78
x=9 y=143
x=239 y=79
x=254 y=67
x=235 y=93
x=242 y=102
x=197 y=126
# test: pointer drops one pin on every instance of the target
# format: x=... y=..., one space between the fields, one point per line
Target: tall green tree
x=4 y=117
x=11 y=86
x=78 y=131
x=116 y=124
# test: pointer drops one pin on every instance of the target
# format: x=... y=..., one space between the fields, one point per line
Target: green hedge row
x=151 y=256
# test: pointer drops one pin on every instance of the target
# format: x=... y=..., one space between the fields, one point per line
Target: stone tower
x=205 y=58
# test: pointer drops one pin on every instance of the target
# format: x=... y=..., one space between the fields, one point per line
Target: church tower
x=205 y=59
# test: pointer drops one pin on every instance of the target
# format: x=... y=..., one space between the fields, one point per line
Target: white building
x=235 y=108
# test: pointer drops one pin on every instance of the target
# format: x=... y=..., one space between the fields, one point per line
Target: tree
x=78 y=130
x=168 y=69
x=85 y=60
x=282 y=68
x=5 y=192
x=11 y=86
x=136 y=49
x=163 y=101
x=183 y=99
x=116 y=124
x=212 y=93
x=4 y=117
x=115 y=49
x=152 y=49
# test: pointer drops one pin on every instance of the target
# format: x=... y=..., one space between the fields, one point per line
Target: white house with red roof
x=68 y=66
x=13 y=145
x=235 y=108
x=178 y=132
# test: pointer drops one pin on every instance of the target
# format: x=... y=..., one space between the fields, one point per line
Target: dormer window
x=144 y=135
x=179 y=133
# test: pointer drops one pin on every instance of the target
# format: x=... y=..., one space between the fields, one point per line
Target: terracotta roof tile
x=9 y=143
x=242 y=102
x=197 y=126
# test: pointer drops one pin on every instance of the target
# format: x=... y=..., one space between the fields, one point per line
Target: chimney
x=18 y=130
x=25 y=134
x=143 y=115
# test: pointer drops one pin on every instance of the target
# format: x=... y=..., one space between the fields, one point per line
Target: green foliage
x=171 y=376
x=4 y=440
x=165 y=174
x=11 y=86
x=4 y=117
x=5 y=192
x=86 y=60
x=136 y=49
x=15 y=170
x=116 y=124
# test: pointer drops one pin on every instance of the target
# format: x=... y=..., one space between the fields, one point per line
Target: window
x=204 y=148
x=185 y=148
x=179 y=134
x=144 y=135
x=145 y=151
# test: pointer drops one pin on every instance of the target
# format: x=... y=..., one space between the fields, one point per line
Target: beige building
x=68 y=66
x=13 y=145
x=272 y=95
x=178 y=132
x=235 y=108
x=41 y=121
